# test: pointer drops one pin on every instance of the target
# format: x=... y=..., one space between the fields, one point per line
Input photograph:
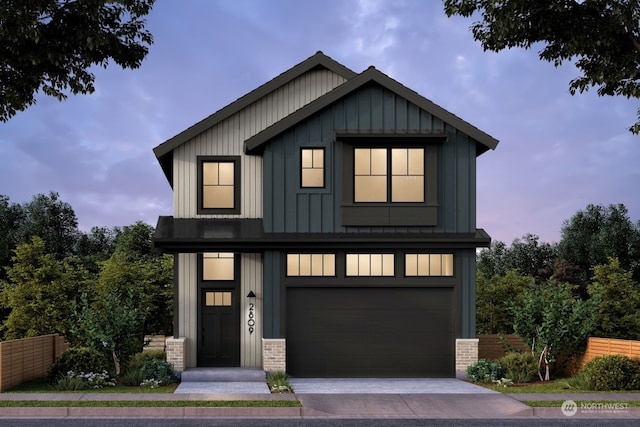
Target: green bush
x=485 y=371
x=82 y=381
x=79 y=359
x=519 y=367
x=132 y=377
x=278 y=382
x=158 y=370
x=138 y=359
x=614 y=372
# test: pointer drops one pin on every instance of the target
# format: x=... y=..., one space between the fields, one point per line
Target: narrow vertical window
x=370 y=170
x=312 y=168
x=217 y=266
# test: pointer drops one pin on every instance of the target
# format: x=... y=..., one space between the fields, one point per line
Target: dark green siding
x=271 y=290
x=289 y=208
x=468 y=293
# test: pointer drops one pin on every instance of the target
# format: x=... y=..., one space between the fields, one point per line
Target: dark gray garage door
x=370 y=332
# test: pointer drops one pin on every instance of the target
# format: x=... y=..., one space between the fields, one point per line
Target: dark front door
x=219 y=328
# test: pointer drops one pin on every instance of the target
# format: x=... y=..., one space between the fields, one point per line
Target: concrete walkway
x=336 y=398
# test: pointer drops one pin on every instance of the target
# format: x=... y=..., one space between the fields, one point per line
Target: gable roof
x=319 y=60
x=484 y=141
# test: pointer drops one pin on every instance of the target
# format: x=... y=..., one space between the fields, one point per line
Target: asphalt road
x=137 y=422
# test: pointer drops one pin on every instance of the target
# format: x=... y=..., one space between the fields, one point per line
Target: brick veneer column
x=466 y=353
x=274 y=354
x=177 y=352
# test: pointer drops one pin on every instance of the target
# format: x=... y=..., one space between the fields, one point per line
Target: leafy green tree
x=54 y=221
x=591 y=236
x=494 y=297
x=526 y=255
x=552 y=321
x=40 y=292
x=113 y=324
x=618 y=314
x=96 y=246
x=602 y=37
x=11 y=217
x=50 y=45
x=134 y=266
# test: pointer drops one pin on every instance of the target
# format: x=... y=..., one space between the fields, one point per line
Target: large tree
x=593 y=235
x=601 y=36
x=50 y=45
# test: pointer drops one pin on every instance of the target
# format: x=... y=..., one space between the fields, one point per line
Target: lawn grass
x=150 y=404
x=560 y=385
x=558 y=403
x=42 y=385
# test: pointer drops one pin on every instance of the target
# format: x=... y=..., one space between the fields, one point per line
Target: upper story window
x=219 y=185
x=312 y=168
x=390 y=179
x=388 y=174
x=218 y=266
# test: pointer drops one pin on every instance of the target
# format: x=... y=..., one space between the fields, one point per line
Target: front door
x=219 y=328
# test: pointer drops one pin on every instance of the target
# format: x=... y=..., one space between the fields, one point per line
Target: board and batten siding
x=250 y=280
x=227 y=139
x=289 y=208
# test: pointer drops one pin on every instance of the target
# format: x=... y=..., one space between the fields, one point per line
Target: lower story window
x=370 y=265
x=217 y=266
x=428 y=265
x=311 y=265
x=218 y=299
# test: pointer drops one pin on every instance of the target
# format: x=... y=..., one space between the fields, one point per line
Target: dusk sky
x=557 y=152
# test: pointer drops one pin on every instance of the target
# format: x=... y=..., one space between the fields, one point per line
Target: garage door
x=373 y=332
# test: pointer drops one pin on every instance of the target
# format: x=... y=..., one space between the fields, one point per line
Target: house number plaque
x=251 y=322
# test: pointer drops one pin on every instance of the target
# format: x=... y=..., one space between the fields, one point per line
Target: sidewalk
x=405 y=405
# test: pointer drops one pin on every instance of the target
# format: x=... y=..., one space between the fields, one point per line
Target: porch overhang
x=188 y=235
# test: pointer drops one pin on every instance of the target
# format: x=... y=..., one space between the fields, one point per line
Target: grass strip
x=150 y=404
x=558 y=403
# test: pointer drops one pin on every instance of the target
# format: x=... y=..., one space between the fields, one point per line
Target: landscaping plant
x=613 y=372
x=278 y=382
x=519 y=367
x=485 y=371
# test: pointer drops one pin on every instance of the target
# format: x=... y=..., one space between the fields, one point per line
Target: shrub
x=132 y=377
x=614 y=372
x=485 y=371
x=81 y=381
x=278 y=382
x=79 y=359
x=158 y=370
x=138 y=359
x=519 y=367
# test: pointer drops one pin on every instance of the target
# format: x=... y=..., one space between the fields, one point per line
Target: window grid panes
x=218 y=185
x=370 y=180
x=311 y=265
x=218 y=299
x=407 y=175
x=370 y=265
x=312 y=163
x=429 y=265
x=218 y=266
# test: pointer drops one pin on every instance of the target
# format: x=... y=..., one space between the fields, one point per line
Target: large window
x=370 y=265
x=311 y=265
x=428 y=265
x=390 y=179
x=312 y=168
x=218 y=266
x=372 y=170
x=219 y=185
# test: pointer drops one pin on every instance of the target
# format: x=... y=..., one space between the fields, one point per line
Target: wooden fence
x=29 y=358
x=606 y=346
x=494 y=346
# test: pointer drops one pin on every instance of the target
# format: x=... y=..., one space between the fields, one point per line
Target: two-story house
x=325 y=224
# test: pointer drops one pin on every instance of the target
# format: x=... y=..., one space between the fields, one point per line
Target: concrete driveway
x=385 y=386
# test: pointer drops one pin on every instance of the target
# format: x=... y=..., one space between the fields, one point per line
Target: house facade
x=324 y=224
